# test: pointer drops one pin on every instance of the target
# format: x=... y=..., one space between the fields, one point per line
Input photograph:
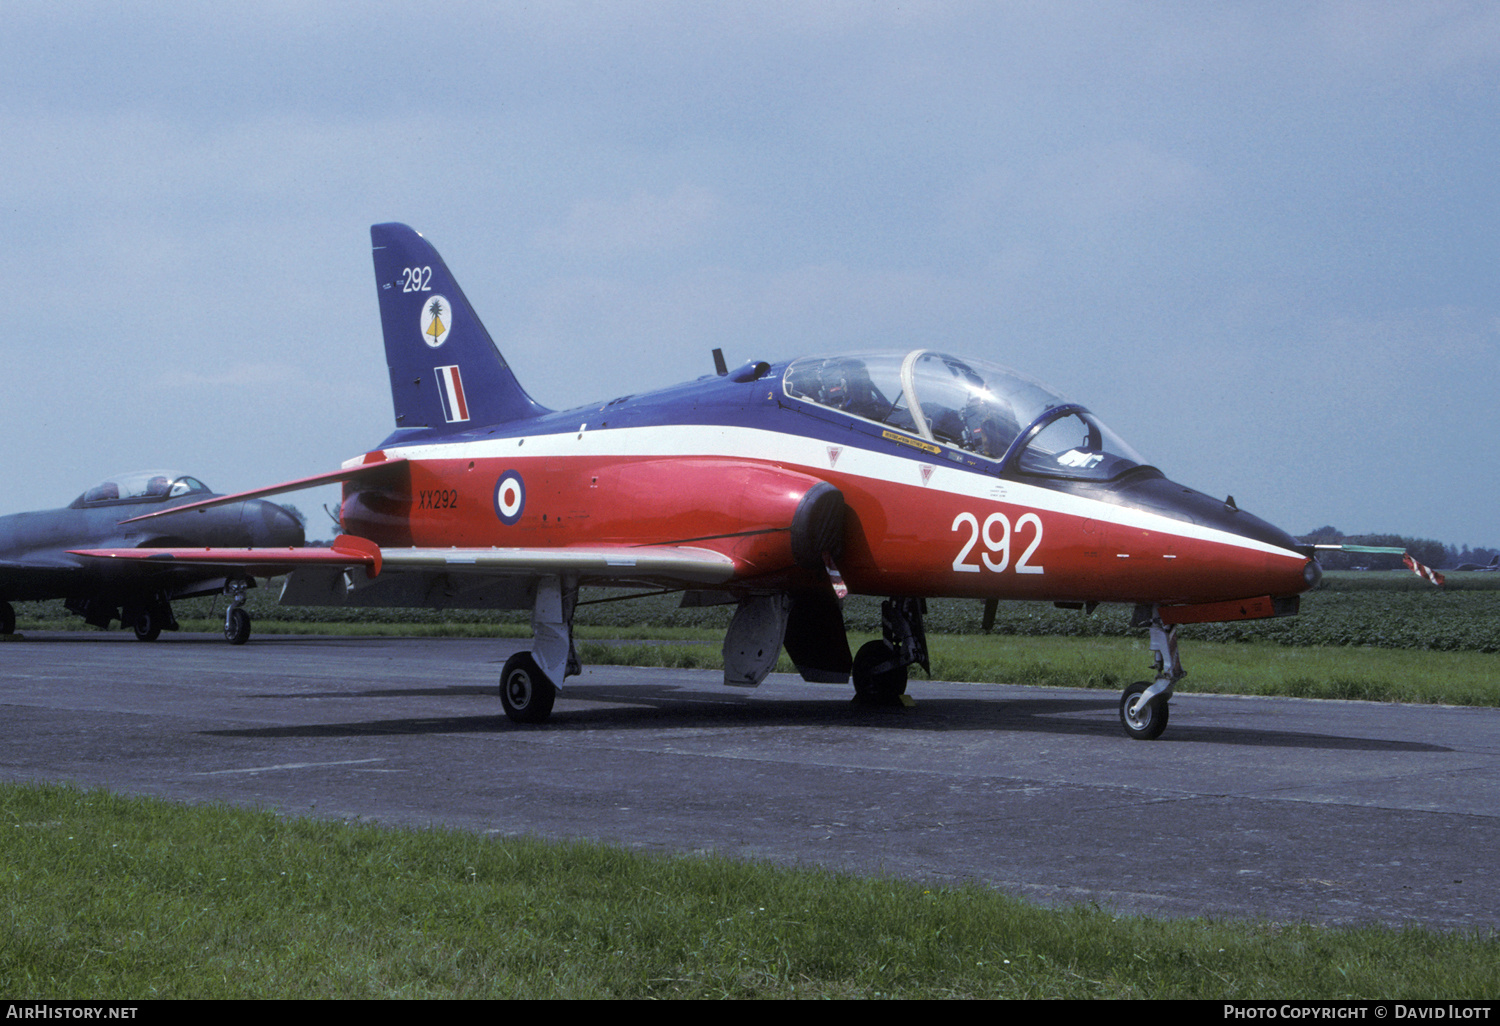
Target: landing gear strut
x=880 y=667
x=1143 y=706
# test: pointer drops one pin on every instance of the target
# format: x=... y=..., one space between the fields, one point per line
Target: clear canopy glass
x=979 y=407
x=141 y=485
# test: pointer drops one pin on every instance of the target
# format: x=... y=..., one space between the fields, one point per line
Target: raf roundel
x=510 y=497
x=437 y=318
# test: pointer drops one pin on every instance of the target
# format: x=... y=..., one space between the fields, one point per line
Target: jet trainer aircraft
x=36 y=562
x=780 y=487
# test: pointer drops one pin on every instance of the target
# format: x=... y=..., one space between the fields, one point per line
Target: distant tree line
x=1424 y=550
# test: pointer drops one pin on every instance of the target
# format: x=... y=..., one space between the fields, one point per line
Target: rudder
x=446 y=373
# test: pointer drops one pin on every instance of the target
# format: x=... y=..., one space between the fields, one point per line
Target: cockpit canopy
x=982 y=408
x=141 y=486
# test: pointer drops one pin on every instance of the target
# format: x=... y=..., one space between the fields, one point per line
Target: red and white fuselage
x=916 y=523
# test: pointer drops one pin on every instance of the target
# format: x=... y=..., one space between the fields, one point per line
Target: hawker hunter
x=37 y=560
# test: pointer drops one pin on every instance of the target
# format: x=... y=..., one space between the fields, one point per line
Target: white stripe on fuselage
x=809 y=455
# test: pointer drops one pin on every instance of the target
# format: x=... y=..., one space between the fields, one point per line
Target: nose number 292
x=997 y=550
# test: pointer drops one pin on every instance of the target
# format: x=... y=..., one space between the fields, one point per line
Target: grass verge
x=137 y=898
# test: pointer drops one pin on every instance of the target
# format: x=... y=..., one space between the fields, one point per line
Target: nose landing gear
x=236 y=620
x=1143 y=706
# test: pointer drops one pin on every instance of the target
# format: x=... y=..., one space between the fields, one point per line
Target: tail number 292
x=996 y=554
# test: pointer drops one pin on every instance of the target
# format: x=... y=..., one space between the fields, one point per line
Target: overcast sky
x=1261 y=240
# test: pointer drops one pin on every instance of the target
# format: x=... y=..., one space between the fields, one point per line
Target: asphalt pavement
x=1273 y=809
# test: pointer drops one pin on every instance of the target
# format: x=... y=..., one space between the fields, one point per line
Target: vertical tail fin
x=446 y=374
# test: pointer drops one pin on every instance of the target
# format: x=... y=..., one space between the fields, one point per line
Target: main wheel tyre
x=236 y=626
x=7 y=618
x=525 y=691
x=877 y=674
x=147 y=625
x=1148 y=723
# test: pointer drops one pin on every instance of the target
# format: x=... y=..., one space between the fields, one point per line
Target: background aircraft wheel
x=877 y=673
x=147 y=626
x=237 y=627
x=525 y=691
x=1150 y=721
x=7 y=618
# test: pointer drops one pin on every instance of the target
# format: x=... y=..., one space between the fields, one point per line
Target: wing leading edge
x=683 y=564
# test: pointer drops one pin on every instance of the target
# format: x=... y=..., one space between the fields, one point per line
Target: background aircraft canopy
x=984 y=408
x=141 y=486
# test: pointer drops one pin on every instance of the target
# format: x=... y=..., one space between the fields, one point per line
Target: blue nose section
x=1164 y=496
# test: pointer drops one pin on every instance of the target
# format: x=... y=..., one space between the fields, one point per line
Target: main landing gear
x=154 y=616
x=150 y=618
x=527 y=688
x=880 y=667
x=1143 y=706
x=525 y=691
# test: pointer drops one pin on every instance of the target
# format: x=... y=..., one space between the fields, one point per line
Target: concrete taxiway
x=1280 y=809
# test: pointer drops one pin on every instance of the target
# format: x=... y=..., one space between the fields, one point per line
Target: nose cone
x=1249 y=556
x=273 y=526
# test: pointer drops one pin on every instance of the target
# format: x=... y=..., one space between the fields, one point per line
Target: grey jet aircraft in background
x=37 y=560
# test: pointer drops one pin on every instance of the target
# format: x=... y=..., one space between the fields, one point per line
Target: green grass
x=1246 y=668
x=1368 y=674
x=133 y=898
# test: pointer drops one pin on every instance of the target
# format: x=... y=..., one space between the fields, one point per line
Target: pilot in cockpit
x=846 y=385
x=988 y=427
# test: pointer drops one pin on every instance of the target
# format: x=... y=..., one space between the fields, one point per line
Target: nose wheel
x=236 y=620
x=1143 y=718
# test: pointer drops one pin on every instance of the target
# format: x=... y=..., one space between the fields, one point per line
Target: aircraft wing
x=256 y=562
x=679 y=563
x=372 y=468
x=683 y=563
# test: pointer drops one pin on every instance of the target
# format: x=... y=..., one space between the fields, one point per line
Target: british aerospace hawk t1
x=778 y=486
